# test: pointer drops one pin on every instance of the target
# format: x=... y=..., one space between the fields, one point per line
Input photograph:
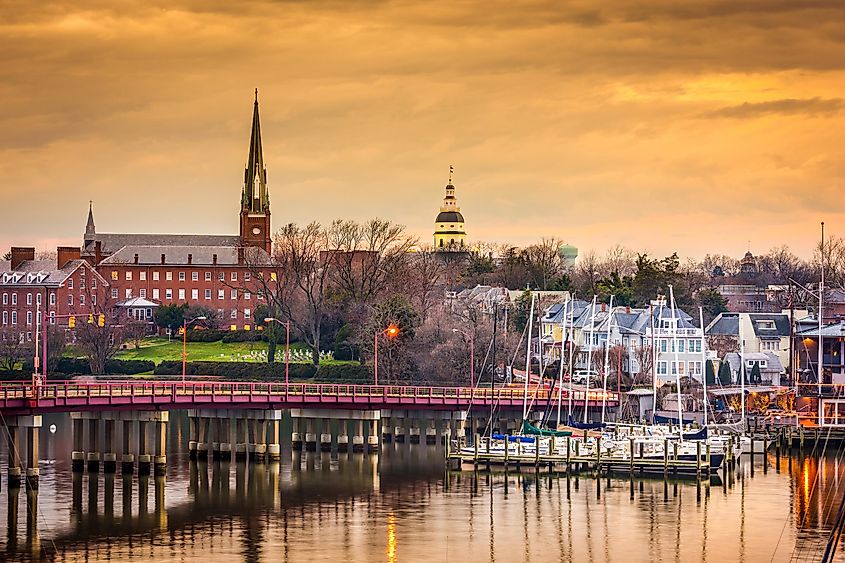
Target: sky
x=700 y=127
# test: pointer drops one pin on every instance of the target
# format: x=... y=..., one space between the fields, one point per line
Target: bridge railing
x=200 y=389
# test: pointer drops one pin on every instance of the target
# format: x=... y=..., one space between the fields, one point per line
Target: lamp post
x=286 y=324
x=185 y=323
x=392 y=331
x=471 y=338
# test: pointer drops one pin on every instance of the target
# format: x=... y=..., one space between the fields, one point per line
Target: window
x=156 y=293
x=272 y=276
x=128 y=293
x=234 y=276
x=661 y=368
x=94 y=299
x=770 y=345
x=208 y=276
x=29 y=299
x=247 y=295
x=221 y=276
x=663 y=345
x=114 y=275
x=168 y=276
x=5 y=299
x=128 y=275
x=70 y=299
x=82 y=283
x=181 y=276
x=221 y=294
x=678 y=368
x=168 y=294
x=207 y=294
x=195 y=294
x=70 y=283
x=233 y=314
x=38 y=299
x=5 y=317
x=14 y=317
x=247 y=276
x=181 y=294
x=247 y=313
x=14 y=299
x=234 y=295
x=82 y=299
x=195 y=276
x=142 y=276
x=93 y=283
x=29 y=317
x=142 y=293
x=155 y=275
x=52 y=318
x=114 y=293
x=52 y=299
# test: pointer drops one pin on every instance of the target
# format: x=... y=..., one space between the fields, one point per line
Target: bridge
x=135 y=407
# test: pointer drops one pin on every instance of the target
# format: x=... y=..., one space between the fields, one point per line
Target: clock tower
x=255 y=201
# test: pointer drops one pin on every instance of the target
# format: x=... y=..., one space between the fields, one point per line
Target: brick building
x=33 y=291
x=212 y=271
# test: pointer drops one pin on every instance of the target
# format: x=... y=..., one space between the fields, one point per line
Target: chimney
x=628 y=310
x=163 y=259
x=190 y=258
x=98 y=252
x=214 y=259
x=136 y=257
x=240 y=255
x=603 y=307
x=20 y=254
x=65 y=254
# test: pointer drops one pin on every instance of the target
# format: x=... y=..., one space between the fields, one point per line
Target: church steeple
x=255 y=200
x=90 y=230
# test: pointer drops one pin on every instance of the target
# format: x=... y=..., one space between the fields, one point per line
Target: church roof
x=450 y=217
x=227 y=255
x=112 y=242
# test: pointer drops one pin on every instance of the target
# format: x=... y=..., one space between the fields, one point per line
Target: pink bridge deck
x=23 y=398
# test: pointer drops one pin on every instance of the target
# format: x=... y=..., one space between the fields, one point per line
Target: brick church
x=139 y=272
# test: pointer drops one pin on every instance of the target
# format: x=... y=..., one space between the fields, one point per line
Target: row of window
x=690 y=368
x=182 y=294
x=81 y=284
x=14 y=298
x=693 y=345
x=13 y=317
x=195 y=276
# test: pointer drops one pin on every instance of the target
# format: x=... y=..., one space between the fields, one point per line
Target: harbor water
x=403 y=505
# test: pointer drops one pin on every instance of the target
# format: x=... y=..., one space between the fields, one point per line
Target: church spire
x=255 y=198
x=90 y=230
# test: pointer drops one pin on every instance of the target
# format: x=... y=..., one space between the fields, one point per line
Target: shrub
x=80 y=366
x=248 y=371
x=209 y=335
x=344 y=373
x=244 y=336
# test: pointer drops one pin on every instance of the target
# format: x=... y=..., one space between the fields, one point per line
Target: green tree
x=709 y=373
x=712 y=303
x=725 y=373
x=170 y=316
x=521 y=310
x=274 y=332
x=395 y=312
x=756 y=377
x=620 y=287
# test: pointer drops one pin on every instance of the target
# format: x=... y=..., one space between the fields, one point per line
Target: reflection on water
x=401 y=505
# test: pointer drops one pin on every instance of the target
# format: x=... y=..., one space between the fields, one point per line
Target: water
x=402 y=505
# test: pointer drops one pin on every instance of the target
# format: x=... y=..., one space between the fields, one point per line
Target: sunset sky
x=663 y=125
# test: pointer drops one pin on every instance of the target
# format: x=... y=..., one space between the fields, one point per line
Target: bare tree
x=14 y=349
x=543 y=262
x=422 y=280
x=98 y=344
x=644 y=357
x=722 y=344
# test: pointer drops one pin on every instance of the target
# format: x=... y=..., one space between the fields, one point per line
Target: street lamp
x=471 y=338
x=286 y=324
x=185 y=323
x=392 y=331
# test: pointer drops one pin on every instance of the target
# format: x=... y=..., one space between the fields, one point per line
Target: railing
x=177 y=392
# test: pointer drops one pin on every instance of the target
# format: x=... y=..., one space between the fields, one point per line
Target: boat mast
x=703 y=361
x=590 y=357
x=677 y=361
x=820 y=370
x=607 y=358
x=741 y=372
x=653 y=363
x=571 y=345
x=528 y=360
x=560 y=375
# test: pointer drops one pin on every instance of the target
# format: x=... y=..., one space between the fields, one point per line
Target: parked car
x=581 y=376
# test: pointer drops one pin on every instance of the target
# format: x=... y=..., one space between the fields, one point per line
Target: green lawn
x=159 y=349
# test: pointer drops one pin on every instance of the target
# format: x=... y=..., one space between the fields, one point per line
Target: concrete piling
x=127 y=460
x=93 y=457
x=32 y=457
x=77 y=456
x=109 y=456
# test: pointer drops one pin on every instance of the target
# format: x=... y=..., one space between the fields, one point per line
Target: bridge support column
x=343 y=436
x=310 y=436
x=372 y=437
x=296 y=436
x=93 y=457
x=77 y=456
x=202 y=442
x=258 y=445
x=161 y=444
x=193 y=435
x=399 y=431
x=144 y=458
x=215 y=445
x=109 y=457
x=240 y=439
x=358 y=437
x=326 y=436
x=127 y=461
x=14 y=471
x=386 y=436
x=415 y=431
x=274 y=449
x=431 y=433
